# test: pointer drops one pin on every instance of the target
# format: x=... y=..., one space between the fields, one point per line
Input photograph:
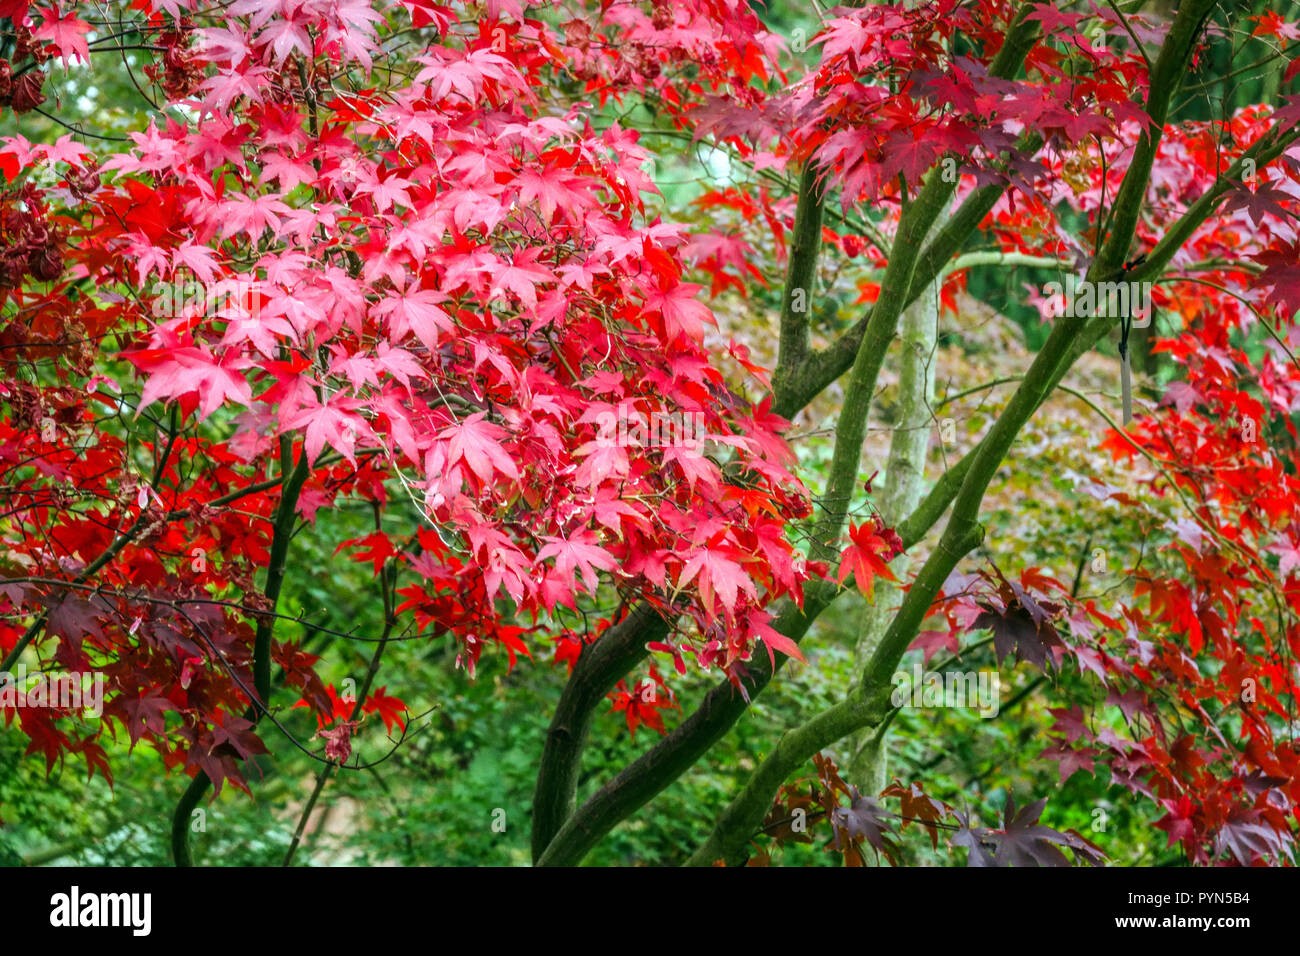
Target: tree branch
x=654 y=770
x=283 y=531
x=386 y=583
x=599 y=668
x=796 y=301
x=963 y=531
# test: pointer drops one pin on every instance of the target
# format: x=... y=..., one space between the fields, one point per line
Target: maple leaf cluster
x=444 y=292
x=857 y=822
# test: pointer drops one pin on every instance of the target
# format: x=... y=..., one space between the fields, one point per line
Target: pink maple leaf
x=682 y=312
x=67 y=33
x=522 y=277
x=719 y=577
x=172 y=372
x=1289 y=552
x=415 y=310
x=478 y=444
x=581 y=553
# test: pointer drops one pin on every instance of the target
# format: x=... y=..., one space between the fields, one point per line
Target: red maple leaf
x=867 y=556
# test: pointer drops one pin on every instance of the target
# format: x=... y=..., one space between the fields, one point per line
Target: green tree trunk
x=901 y=493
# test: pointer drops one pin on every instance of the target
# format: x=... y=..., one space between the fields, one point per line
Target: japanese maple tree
x=406 y=254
